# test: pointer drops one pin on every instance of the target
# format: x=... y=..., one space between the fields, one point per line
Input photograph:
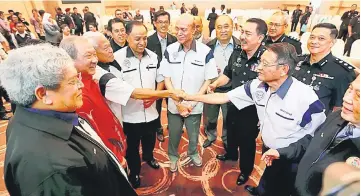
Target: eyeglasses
x=264 y=64
x=163 y=22
x=271 y=24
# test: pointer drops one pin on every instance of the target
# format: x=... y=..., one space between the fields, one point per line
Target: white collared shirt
x=139 y=74
x=188 y=70
x=22 y=35
x=117 y=92
x=222 y=54
x=286 y=115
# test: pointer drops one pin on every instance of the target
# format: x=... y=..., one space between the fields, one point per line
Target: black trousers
x=294 y=26
x=136 y=133
x=278 y=179
x=242 y=131
x=349 y=43
x=210 y=31
x=342 y=34
x=158 y=106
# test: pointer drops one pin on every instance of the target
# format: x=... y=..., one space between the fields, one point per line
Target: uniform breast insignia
x=298 y=66
x=254 y=67
x=259 y=95
x=316 y=88
x=175 y=55
x=323 y=75
x=126 y=63
x=293 y=38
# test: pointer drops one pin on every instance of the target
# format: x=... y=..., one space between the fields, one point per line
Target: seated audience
x=21 y=36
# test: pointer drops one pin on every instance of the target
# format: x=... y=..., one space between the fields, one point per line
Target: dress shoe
x=251 y=190
x=153 y=164
x=135 y=181
x=241 y=179
x=207 y=143
x=160 y=135
x=225 y=157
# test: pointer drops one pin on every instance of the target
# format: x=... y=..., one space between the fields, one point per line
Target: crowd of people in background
x=102 y=92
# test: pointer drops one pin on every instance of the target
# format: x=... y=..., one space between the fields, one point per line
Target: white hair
x=69 y=45
x=32 y=66
x=93 y=37
x=283 y=14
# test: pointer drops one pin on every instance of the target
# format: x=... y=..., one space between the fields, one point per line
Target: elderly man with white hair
x=50 y=150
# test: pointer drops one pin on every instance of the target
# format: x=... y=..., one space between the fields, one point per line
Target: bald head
x=277 y=25
x=185 y=28
x=198 y=24
x=224 y=29
x=101 y=46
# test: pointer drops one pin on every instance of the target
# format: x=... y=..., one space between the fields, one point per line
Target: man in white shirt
x=285 y=113
x=188 y=65
x=21 y=36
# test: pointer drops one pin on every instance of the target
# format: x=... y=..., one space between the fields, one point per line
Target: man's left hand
x=148 y=102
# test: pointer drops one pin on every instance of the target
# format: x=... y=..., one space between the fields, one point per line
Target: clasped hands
x=184 y=107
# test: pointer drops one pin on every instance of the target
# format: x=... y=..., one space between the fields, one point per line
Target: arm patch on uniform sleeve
x=104 y=80
x=314 y=108
x=209 y=56
x=247 y=88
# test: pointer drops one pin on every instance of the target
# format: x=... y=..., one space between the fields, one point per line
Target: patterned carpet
x=212 y=178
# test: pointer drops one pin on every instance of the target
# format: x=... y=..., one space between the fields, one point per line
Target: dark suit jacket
x=154 y=44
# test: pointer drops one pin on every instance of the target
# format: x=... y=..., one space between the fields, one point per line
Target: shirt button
x=304 y=79
x=244 y=73
x=246 y=65
x=308 y=71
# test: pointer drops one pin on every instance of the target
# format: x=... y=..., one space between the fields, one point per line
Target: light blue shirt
x=222 y=54
x=163 y=43
x=349 y=131
x=285 y=115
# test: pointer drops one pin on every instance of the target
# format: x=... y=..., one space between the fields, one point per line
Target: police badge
x=298 y=66
x=239 y=59
x=126 y=63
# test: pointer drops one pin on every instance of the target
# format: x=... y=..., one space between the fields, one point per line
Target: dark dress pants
x=277 y=179
x=136 y=133
x=242 y=131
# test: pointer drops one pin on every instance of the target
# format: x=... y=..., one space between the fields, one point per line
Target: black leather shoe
x=207 y=143
x=241 y=179
x=160 y=135
x=153 y=164
x=251 y=190
x=135 y=181
x=225 y=157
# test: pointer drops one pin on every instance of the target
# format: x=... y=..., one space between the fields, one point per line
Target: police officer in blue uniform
x=328 y=75
x=242 y=129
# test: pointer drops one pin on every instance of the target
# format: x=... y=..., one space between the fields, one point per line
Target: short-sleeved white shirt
x=286 y=115
x=188 y=70
x=139 y=74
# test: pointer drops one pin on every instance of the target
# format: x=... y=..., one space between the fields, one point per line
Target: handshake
x=181 y=98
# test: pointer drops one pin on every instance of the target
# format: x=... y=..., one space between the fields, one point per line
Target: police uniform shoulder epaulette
x=293 y=38
x=344 y=64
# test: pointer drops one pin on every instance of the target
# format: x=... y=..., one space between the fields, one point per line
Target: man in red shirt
x=95 y=108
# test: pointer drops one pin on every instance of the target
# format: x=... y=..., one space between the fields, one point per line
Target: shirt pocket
x=130 y=74
x=323 y=87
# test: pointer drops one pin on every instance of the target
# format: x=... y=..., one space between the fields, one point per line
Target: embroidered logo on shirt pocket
x=284 y=116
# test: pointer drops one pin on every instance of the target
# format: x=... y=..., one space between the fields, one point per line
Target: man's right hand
x=212 y=87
